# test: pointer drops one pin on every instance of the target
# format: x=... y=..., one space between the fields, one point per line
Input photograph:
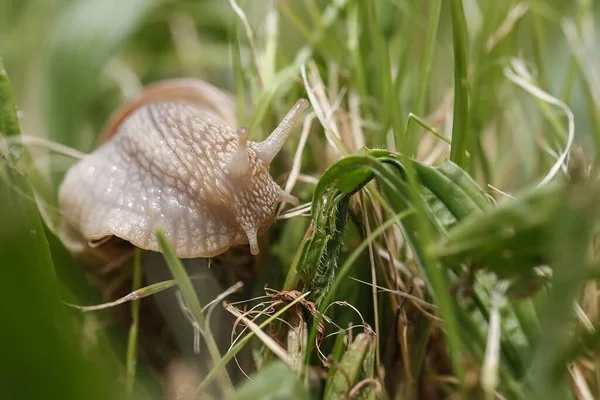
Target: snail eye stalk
x=268 y=149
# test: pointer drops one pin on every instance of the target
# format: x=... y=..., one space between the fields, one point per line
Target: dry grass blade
x=135 y=295
x=243 y=342
x=250 y=36
x=520 y=76
x=416 y=300
x=301 y=210
x=297 y=164
x=514 y=15
x=315 y=90
x=266 y=339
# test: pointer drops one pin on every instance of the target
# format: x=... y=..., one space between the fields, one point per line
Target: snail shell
x=171 y=159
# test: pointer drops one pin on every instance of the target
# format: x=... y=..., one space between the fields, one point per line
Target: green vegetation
x=447 y=240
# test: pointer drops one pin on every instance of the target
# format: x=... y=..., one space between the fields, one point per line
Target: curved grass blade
x=464 y=181
x=132 y=296
x=460 y=202
x=348 y=176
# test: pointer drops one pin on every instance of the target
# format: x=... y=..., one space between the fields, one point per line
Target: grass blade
x=9 y=123
x=460 y=125
x=348 y=370
x=275 y=381
x=133 y=296
x=569 y=246
x=134 y=328
x=243 y=342
x=423 y=78
x=34 y=321
x=191 y=299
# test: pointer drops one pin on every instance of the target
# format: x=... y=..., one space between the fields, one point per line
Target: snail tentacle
x=268 y=149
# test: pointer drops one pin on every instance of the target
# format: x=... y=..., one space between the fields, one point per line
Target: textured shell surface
x=167 y=167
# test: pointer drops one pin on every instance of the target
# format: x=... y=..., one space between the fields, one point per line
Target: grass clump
x=446 y=244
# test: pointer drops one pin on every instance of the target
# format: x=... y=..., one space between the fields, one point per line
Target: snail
x=172 y=158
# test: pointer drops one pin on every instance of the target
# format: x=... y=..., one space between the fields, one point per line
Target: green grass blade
x=9 y=123
x=191 y=299
x=460 y=125
x=464 y=182
x=348 y=370
x=458 y=200
x=425 y=65
x=509 y=239
x=134 y=328
x=34 y=321
x=570 y=237
x=423 y=237
x=275 y=381
x=412 y=117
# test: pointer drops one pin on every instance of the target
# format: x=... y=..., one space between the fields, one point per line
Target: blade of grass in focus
x=191 y=299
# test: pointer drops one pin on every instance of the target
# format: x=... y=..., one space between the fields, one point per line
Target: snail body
x=172 y=159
